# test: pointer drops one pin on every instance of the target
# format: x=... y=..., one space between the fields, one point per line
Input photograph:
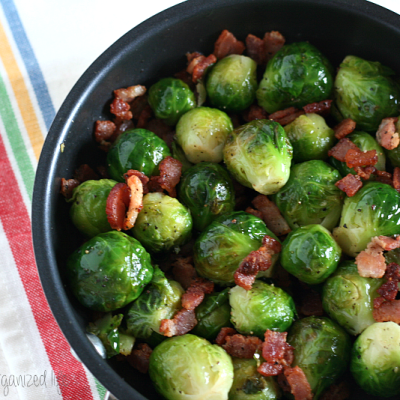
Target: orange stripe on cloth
x=21 y=93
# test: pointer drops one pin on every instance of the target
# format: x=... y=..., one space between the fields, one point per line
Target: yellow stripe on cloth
x=21 y=94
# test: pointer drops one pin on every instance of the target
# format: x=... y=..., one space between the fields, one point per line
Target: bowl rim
x=43 y=188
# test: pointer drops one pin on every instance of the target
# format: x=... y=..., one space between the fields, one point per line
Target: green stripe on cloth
x=100 y=388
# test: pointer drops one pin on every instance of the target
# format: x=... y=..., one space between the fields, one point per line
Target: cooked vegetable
x=188 y=367
x=179 y=155
x=258 y=155
x=109 y=271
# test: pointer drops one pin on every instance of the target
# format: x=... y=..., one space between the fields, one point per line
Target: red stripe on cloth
x=71 y=376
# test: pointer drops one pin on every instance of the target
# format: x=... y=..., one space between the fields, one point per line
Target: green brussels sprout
x=374 y=210
x=365 y=142
x=162 y=224
x=394 y=155
x=310 y=196
x=188 y=367
x=212 y=314
x=375 y=359
x=222 y=246
x=365 y=92
x=179 y=155
x=258 y=155
x=232 y=83
x=297 y=75
x=321 y=350
x=161 y=300
x=109 y=271
x=137 y=149
x=170 y=98
x=310 y=253
x=248 y=384
x=348 y=298
x=310 y=137
x=207 y=190
x=260 y=308
x=88 y=210
x=202 y=133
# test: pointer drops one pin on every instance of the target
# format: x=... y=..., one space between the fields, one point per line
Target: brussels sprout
x=163 y=223
x=170 y=98
x=321 y=350
x=212 y=314
x=248 y=384
x=365 y=142
x=374 y=210
x=137 y=149
x=202 y=133
x=365 y=92
x=232 y=83
x=109 y=271
x=310 y=137
x=207 y=190
x=258 y=155
x=297 y=75
x=179 y=155
x=260 y=308
x=375 y=359
x=310 y=254
x=88 y=210
x=310 y=196
x=348 y=298
x=222 y=246
x=161 y=300
x=188 y=367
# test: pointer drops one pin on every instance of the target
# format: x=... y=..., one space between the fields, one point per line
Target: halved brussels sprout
x=348 y=298
x=258 y=155
x=170 y=98
x=374 y=210
x=310 y=254
x=260 y=308
x=191 y=368
x=297 y=75
x=248 y=384
x=232 y=83
x=365 y=92
x=321 y=350
x=137 y=149
x=109 y=271
x=222 y=246
x=310 y=196
x=202 y=133
x=375 y=359
x=88 y=210
x=162 y=224
x=310 y=137
x=207 y=190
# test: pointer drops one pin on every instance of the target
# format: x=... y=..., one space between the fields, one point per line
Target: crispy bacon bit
x=140 y=357
x=138 y=105
x=254 y=212
x=223 y=333
x=389 y=290
x=365 y=172
x=350 y=184
x=143 y=178
x=242 y=346
x=194 y=61
x=254 y=112
x=183 y=271
x=300 y=388
x=271 y=215
x=344 y=128
x=274 y=41
x=393 y=272
x=286 y=116
x=227 y=44
x=144 y=117
x=130 y=93
x=136 y=200
x=275 y=349
x=384 y=177
x=183 y=322
x=117 y=204
x=201 y=66
x=85 y=173
x=121 y=109
x=122 y=126
x=388 y=311
x=322 y=107
x=358 y=158
x=170 y=175
x=396 y=178
x=270 y=369
x=386 y=134
x=104 y=130
x=256 y=49
x=192 y=56
x=387 y=243
x=68 y=186
x=194 y=295
x=258 y=260
x=341 y=148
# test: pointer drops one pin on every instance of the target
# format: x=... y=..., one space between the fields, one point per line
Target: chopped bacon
x=350 y=184
x=104 y=130
x=183 y=271
x=378 y=301
x=365 y=172
x=322 y=107
x=143 y=178
x=384 y=177
x=135 y=202
x=270 y=369
x=194 y=295
x=85 y=173
x=358 y=158
x=254 y=112
x=386 y=134
x=297 y=380
x=122 y=125
x=286 y=116
x=387 y=243
x=68 y=186
x=223 y=333
x=393 y=272
x=140 y=357
x=274 y=41
x=117 y=204
x=130 y=93
x=201 y=66
x=389 y=290
x=227 y=44
x=192 y=56
x=275 y=349
x=138 y=105
x=344 y=128
x=144 y=117
x=121 y=109
x=194 y=61
x=183 y=322
x=242 y=346
x=256 y=49
x=254 y=212
x=396 y=178
x=271 y=215
x=170 y=175
x=341 y=148
x=388 y=311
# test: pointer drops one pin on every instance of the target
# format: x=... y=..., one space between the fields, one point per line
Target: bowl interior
x=150 y=51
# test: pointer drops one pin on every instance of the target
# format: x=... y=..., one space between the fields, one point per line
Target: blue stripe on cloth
x=31 y=64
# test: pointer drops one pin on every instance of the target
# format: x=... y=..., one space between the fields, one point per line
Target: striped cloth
x=45 y=46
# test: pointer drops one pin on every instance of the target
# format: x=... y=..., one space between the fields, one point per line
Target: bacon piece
x=183 y=322
x=170 y=175
x=286 y=116
x=350 y=184
x=194 y=295
x=270 y=369
x=144 y=117
x=117 y=204
x=365 y=172
x=121 y=109
x=344 y=128
x=378 y=302
x=193 y=61
x=358 y=158
x=274 y=41
x=275 y=349
x=223 y=333
x=192 y=56
x=242 y=346
x=300 y=388
x=396 y=178
x=136 y=200
x=386 y=134
x=340 y=150
x=85 y=173
x=183 y=271
x=122 y=125
x=143 y=178
x=254 y=112
x=387 y=243
x=140 y=357
x=393 y=272
x=388 y=311
x=322 y=107
x=256 y=49
x=68 y=186
x=138 y=105
x=201 y=66
x=227 y=44
x=389 y=290
x=130 y=93
x=271 y=215
x=254 y=212
x=104 y=130
x=384 y=177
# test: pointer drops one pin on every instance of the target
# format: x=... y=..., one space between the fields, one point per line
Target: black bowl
x=156 y=49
